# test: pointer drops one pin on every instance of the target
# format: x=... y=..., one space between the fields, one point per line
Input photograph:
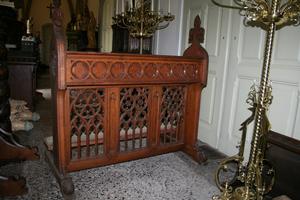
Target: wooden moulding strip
x=114 y=69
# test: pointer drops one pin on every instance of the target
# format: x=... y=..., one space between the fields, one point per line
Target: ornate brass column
x=256 y=178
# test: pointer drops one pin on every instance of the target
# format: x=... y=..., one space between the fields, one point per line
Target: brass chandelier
x=140 y=18
x=254 y=179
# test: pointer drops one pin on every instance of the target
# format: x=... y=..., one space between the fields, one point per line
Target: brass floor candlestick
x=256 y=178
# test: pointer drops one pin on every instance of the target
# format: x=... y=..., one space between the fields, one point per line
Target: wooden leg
x=195 y=153
x=12 y=186
x=65 y=181
x=191 y=123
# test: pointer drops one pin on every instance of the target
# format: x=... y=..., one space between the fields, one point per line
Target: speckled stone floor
x=171 y=176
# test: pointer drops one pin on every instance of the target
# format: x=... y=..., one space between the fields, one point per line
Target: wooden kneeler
x=12 y=186
x=11 y=150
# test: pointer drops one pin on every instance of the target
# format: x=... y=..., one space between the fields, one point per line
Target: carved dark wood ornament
x=87 y=122
x=172 y=114
x=134 y=118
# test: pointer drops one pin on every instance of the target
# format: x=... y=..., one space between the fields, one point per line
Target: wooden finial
x=196 y=36
x=197 y=33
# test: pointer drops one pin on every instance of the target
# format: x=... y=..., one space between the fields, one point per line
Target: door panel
x=287 y=47
x=208 y=99
x=283 y=111
x=214 y=21
x=250 y=51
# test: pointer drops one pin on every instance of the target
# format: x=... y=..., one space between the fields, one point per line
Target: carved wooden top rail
x=111 y=69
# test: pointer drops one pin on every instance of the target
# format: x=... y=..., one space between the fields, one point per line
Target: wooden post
x=196 y=36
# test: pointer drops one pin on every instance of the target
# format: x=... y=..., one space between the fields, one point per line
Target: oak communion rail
x=111 y=108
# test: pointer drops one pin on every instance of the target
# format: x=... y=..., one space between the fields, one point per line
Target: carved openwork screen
x=171 y=114
x=87 y=122
x=118 y=107
x=134 y=118
x=113 y=107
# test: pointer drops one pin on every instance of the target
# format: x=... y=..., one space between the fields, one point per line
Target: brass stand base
x=240 y=193
x=243 y=193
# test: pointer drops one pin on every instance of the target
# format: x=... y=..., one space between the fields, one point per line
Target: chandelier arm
x=288 y=7
x=124 y=23
x=240 y=3
x=285 y=6
x=290 y=12
x=162 y=26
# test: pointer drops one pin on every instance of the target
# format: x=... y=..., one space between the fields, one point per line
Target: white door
x=215 y=22
x=245 y=63
x=106 y=30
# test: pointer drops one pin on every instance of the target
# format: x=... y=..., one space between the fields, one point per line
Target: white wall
x=106 y=32
x=168 y=40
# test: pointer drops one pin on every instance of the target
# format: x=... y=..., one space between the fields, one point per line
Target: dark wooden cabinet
x=284 y=154
x=22 y=81
x=22 y=57
x=22 y=65
x=13 y=29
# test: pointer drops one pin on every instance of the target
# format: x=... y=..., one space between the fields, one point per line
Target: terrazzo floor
x=172 y=176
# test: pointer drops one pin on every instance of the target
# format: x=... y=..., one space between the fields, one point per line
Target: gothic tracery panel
x=134 y=118
x=171 y=113
x=87 y=122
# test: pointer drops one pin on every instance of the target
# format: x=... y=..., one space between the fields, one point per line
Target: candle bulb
x=169 y=7
x=117 y=6
x=130 y=5
x=122 y=6
x=152 y=5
